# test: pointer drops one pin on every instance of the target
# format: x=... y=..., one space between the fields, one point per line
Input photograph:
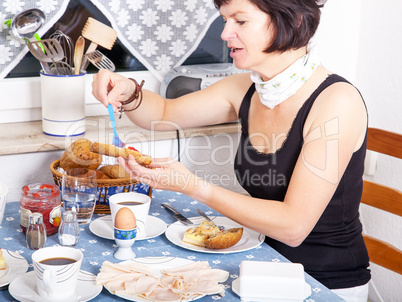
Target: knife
x=177 y=214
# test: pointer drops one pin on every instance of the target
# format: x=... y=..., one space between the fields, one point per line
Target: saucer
x=15 y=266
x=103 y=227
x=23 y=288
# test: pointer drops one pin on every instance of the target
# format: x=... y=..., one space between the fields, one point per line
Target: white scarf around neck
x=288 y=82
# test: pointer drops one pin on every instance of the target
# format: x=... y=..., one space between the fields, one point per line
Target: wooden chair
x=384 y=198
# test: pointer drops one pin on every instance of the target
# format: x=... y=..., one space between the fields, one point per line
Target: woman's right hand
x=109 y=87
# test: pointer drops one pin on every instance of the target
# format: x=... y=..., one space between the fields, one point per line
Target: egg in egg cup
x=124 y=240
x=125 y=232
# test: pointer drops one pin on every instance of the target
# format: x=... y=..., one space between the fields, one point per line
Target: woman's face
x=247 y=33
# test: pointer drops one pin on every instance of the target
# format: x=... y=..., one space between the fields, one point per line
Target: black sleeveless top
x=334 y=252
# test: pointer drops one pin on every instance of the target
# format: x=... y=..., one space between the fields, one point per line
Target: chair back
x=383 y=198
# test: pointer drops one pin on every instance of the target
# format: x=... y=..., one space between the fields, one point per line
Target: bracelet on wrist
x=137 y=95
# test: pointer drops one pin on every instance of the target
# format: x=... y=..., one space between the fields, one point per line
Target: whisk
x=68 y=46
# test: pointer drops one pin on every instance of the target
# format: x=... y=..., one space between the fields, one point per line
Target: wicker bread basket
x=106 y=187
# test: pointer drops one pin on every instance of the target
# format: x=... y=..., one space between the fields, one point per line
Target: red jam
x=41 y=198
x=133 y=149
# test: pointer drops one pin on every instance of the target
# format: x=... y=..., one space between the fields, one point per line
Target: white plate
x=236 y=287
x=156 y=264
x=103 y=227
x=23 y=288
x=249 y=240
x=15 y=266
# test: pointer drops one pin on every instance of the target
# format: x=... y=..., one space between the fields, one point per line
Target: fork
x=209 y=219
x=116 y=140
x=100 y=61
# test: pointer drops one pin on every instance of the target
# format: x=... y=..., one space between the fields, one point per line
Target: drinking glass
x=79 y=192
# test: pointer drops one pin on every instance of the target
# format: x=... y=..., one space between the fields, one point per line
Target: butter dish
x=271 y=281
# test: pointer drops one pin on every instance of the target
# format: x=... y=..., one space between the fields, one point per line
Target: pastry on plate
x=225 y=239
x=210 y=236
x=2 y=261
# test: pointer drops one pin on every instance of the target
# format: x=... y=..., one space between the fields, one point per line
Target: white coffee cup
x=56 y=282
x=138 y=204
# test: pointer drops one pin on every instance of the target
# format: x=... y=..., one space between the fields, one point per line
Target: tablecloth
x=97 y=249
x=161 y=34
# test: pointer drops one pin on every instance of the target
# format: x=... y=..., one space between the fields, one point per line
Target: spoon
x=116 y=140
x=78 y=53
x=26 y=23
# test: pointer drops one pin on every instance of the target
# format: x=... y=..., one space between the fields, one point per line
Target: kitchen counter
x=27 y=137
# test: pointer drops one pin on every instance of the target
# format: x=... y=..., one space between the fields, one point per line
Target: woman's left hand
x=165 y=174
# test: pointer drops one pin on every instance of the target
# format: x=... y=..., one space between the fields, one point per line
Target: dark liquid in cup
x=58 y=261
x=129 y=203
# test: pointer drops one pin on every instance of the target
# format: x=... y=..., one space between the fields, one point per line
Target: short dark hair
x=294 y=21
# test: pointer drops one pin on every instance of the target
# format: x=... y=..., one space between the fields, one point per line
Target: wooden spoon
x=78 y=54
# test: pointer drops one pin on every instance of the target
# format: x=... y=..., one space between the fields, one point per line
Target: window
x=211 y=49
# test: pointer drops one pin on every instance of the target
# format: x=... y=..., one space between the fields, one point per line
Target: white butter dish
x=271 y=281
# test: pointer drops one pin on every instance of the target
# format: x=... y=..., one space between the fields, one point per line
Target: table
x=97 y=249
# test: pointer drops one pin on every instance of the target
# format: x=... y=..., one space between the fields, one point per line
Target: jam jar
x=44 y=199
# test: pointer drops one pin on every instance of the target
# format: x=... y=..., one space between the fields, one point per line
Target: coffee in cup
x=56 y=271
x=138 y=204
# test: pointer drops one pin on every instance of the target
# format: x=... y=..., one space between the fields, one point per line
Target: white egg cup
x=124 y=240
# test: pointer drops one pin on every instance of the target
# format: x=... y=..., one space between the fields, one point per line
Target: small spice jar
x=36 y=232
x=69 y=231
x=44 y=199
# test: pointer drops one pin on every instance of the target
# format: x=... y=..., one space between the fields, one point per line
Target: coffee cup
x=138 y=204
x=56 y=271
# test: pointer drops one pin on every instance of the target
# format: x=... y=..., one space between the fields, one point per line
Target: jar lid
x=35 y=218
x=40 y=191
x=70 y=216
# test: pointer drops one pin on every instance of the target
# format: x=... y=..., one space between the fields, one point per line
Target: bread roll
x=101 y=175
x=224 y=239
x=79 y=155
x=114 y=171
x=210 y=236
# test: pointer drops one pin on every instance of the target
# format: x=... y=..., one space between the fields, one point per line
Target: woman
x=299 y=122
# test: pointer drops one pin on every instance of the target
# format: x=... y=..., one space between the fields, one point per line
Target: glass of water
x=79 y=192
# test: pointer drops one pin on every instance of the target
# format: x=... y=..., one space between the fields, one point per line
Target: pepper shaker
x=69 y=231
x=36 y=231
